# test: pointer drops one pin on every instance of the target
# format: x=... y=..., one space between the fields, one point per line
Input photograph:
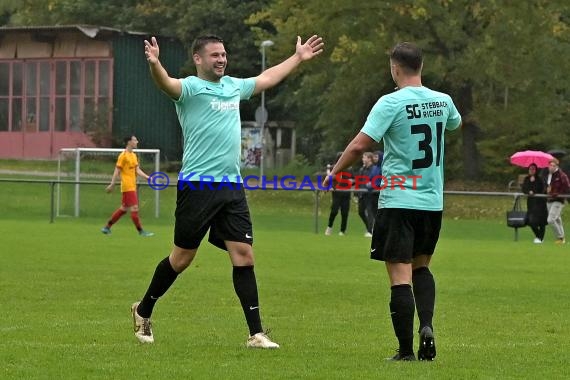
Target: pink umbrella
x=527 y=157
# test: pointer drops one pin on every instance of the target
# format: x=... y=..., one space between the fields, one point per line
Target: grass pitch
x=501 y=308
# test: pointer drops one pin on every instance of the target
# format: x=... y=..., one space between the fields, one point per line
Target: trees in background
x=505 y=63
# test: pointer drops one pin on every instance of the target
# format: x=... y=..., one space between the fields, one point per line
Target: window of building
x=55 y=95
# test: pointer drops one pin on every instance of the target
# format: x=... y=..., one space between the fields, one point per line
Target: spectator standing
x=557 y=184
x=340 y=201
x=537 y=213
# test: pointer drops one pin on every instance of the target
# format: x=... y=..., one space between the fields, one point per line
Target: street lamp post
x=264 y=44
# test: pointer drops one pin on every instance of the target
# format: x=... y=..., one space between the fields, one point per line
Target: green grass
x=103 y=165
x=501 y=305
x=28 y=165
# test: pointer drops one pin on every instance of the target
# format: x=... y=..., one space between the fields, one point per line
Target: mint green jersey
x=412 y=122
x=211 y=127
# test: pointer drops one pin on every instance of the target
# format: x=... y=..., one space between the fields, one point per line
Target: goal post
x=76 y=155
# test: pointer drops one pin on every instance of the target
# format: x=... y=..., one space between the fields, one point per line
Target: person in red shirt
x=557 y=184
x=127 y=168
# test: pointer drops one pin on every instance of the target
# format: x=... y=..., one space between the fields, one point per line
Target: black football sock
x=402 y=312
x=164 y=276
x=246 y=290
x=424 y=294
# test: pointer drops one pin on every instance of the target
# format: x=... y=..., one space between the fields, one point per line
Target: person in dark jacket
x=537 y=212
x=366 y=206
x=340 y=201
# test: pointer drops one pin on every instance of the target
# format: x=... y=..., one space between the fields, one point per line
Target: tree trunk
x=470 y=133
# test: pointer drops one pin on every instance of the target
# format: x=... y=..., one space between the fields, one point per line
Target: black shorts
x=222 y=209
x=401 y=234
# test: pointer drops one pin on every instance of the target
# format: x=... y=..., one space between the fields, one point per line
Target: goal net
x=82 y=171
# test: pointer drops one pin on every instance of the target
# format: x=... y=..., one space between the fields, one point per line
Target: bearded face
x=211 y=61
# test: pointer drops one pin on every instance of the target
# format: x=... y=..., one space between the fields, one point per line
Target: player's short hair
x=126 y=139
x=408 y=56
x=202 y=41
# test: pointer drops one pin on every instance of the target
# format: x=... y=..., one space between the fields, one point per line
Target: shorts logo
x=248 y=236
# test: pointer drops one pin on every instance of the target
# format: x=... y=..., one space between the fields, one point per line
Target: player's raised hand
x=151 y=50
x=311 y=48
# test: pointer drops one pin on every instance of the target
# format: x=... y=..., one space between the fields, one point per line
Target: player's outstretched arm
x=116 y=174
x=170 y=86
x=360 y=144
x=303 y=52
x=141 y=173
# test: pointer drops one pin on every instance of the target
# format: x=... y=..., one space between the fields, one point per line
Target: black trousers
x=366 y=210
x=340 y=201
x=539 y=231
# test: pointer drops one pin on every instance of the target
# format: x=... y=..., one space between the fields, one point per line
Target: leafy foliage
x=503 y=62
x=499 y=60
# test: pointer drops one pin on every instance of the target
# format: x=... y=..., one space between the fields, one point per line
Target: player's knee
x=246 y=257
x=241 y=254
x=181 y=258
x=421 y=261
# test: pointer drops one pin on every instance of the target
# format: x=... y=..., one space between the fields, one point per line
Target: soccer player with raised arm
x=208 y=110
x=411 y=121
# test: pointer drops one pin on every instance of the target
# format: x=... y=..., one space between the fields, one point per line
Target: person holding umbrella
x=537 y=213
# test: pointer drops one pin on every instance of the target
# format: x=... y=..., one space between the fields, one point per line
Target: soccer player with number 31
x=411 y=121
